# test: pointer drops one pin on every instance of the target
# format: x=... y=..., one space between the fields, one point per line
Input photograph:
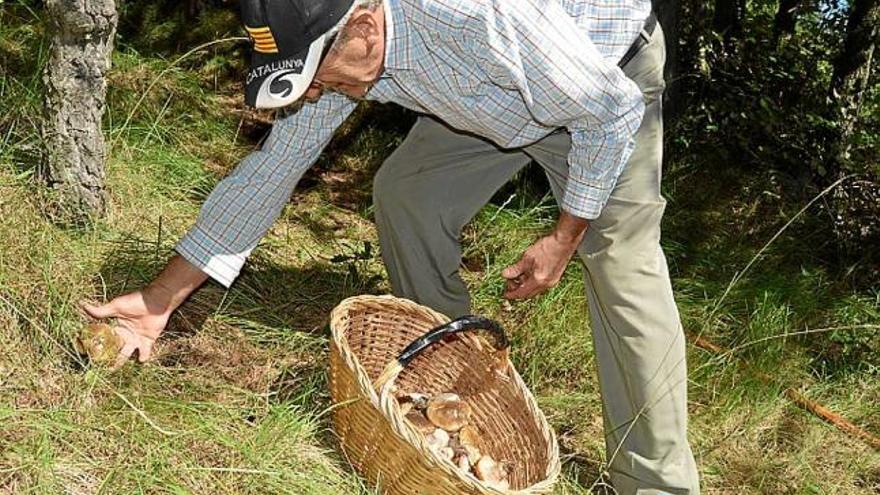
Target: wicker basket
x=370 y=334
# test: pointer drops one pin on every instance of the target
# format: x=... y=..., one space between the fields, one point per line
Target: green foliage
x=759 y=103
x=170 y=28
x=854 y=340
x=22 y=54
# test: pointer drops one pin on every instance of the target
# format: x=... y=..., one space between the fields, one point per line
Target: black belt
x=642 y=40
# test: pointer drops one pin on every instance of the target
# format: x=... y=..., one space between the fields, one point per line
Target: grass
x=235 y=400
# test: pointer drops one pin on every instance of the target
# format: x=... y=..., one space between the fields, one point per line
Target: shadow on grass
x=348 y=164
x=721 y=220
x=267 y=295
x=274 y=307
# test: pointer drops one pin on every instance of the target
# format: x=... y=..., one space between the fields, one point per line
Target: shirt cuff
x=210 y=256
x=589 y=187
x=586 y=203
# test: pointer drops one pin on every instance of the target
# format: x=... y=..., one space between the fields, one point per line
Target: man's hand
x=543 y=263
x=140 y=319
x=141 y=316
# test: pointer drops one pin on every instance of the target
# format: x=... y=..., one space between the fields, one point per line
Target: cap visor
x=278 y=81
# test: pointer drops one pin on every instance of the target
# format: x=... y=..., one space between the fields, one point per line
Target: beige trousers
x=438 y=179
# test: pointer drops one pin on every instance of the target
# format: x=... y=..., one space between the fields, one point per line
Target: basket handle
x=458 y=325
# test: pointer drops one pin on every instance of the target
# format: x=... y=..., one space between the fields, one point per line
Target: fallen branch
x=835 y=419
x=798 y=399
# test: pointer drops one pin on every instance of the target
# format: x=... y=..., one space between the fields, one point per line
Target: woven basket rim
x=384 y=401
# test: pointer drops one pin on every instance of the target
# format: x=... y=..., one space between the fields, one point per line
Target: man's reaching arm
x=541 y=266
x=243 y=206
x=236 y=215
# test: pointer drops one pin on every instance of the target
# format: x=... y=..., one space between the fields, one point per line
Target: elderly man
x=574 y=85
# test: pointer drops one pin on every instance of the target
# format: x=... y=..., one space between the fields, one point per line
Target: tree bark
x=728 y=18
x=786 y=19
x=76 y=87
x=852 y=67
x=856 y=204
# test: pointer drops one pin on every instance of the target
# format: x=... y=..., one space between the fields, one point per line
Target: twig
x=835 y=419
x=141 y=413
x=808 y=331
x=232 y=470
x=798 y=399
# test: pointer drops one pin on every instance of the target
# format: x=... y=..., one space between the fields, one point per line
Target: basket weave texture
x=368 y=333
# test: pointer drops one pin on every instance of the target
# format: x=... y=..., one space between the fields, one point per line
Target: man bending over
x=574 y=85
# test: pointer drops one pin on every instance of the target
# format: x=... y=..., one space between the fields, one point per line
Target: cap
x=288 y=40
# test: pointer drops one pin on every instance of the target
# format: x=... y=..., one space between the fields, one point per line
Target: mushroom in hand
x=100 y=342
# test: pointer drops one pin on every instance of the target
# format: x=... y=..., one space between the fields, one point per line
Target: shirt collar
x=396 y=53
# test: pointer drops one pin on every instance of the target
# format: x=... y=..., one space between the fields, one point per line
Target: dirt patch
x=870 y=480
x=787 y=435
x=233 y=360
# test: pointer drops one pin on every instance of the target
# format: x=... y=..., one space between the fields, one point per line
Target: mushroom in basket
x=444 y=420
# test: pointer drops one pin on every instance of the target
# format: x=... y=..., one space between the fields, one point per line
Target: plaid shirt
x=511 y=71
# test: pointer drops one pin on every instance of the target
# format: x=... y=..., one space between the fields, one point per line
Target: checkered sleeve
x=244 y=205
x=537 y=48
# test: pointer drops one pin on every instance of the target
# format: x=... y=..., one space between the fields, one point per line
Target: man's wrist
x=161 y=298
x=566 y=238
x=569 y=229
x=176 y=282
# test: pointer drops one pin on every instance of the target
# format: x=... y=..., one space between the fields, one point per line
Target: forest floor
x=235 y=400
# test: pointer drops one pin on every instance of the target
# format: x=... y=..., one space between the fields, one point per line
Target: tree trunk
x=728 y=20
x=852 y=68
x=786 y=19
x=856 y=204
x=79 y=59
